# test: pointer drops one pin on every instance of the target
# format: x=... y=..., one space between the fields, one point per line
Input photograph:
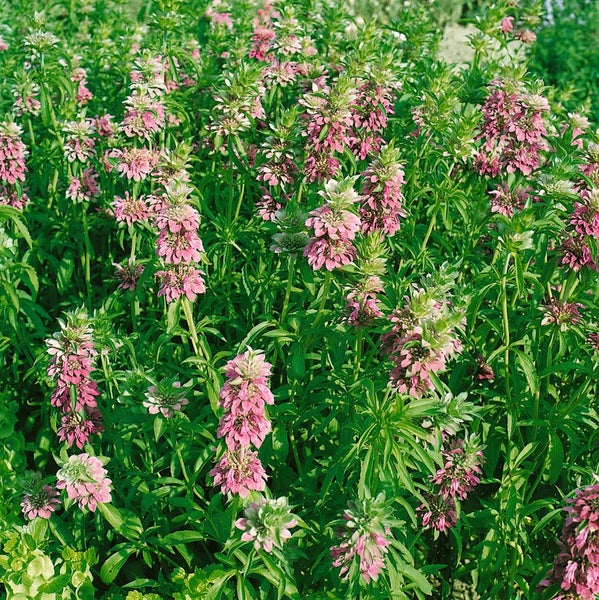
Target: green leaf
x=114 y=563
x=182 y=537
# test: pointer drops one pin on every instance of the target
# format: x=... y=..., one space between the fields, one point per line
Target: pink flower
x=39 y=500
x=128 y=275
x=505 y=201
x=85 y=188
x=166 y=398
x=85 y=481
x=330 y=254
x=180 y=279
x=438 y=512
x=10 y=195
x=181 y=247
x=506 y=25
x=238 y=472
x=136 y=163
x=130 y=209
x=144 y=116
x=12 y=153
x=562 y=314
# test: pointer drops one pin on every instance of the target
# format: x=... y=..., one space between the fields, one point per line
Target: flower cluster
x=165 y=398
x=422 y=339
x=243 y=398
x=505 y=201
x=460 y=474
x=72 y=355
x=381 y=205
x=12 y=165
x=576 y=567
x=178 y=243
x=561 y=314
x=334 y=225
x=267 y=523
x=582 y=233
x=512 y=131
x=84 y=479
x=39 y=499
x=365 y=535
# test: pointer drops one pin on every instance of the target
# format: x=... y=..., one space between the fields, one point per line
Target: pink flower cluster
x=381 y=205
x=85 y=187
x=576 y=568
x=243 y=398
x=334 y=227
x=79 y=76
x=459 y=476
x=561 y=314
x=79 y=141
x=583 y=232
x=39 y=500
x=12 y=165
x=72 y=355
x=178 y=243
x=420 y=342
x=361 y=303
x=363 y=535
x=351 y=114
x=84 y=479
x=506 y=201
x=512 y=131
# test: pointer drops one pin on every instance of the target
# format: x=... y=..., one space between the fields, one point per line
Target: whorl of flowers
x=72 y=356
x=423 y=338
x=576 y=567
x=85 y=187
x=334 y=226
x=561 y=314
x=505 y=201
x=84 y=479
x=267 y=523
x=381 y=204
x=12 y=153
x=582 y=233
x=460 y=474
x=178 y=243
x=512 y=131
x=39 y=499
x=364 y=536
x=328 y=120
x=165 y=398
x=79 y=141
x=243 y=424
x=361 y=300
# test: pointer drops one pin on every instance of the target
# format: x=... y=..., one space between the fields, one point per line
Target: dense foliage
x=291 y=308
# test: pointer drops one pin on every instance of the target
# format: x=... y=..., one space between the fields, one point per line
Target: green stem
x=358 y=354
x=186 y=304
x=506 y=341
x=291 y=273
x=86 y=259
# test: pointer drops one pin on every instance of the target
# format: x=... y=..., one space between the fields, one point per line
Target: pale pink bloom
x=130 y=210
x=3 y=45
x=11 y=196
x=526 y=36
x=144 y=116
x=506 y=25
x=165 y=399
x=506 y=201
x=239 y=472
x=40 y=502
x=562 y=314
x=267 y=206
x=333 y=223
x=181 y=247
x=83 y=94
x=85 y=188
x=180 y=280
x=136 y=163
x=438 y=512
x=128 y=275
x=84 y=479
x=79 y=143
x=27 y=105
x=330 y=254
x=105 y=127
x=12 y=153
x=176 y=217
x=267 y=523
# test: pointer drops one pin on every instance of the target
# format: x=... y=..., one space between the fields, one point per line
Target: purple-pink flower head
x=12 y=153
x=39 y=499
x=239 y=472
x=84 y=479
x=166 y=398
x=267 y=523
x=364 y=535
x=561 y=314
